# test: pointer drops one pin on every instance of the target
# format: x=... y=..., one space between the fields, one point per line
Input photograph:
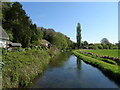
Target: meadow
x=106 y=52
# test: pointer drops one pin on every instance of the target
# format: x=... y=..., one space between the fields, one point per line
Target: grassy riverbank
x=106 y=52
x=21 y=67
x=112 y=70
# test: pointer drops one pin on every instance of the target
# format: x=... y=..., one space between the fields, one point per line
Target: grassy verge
x=112 y=70
x=21 y=67
x=98 y=58
x=112 y=53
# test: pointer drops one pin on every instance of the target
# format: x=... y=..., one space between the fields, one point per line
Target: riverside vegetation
x=108 y=66
x=20 y=67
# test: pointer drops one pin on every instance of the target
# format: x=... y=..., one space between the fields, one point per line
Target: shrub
x=4 y=51
x=100 y=47
x=22 y=67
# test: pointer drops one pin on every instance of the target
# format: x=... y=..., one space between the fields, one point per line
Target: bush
x=4 y=51
x=53 y=50
x=95 y=47
x=90 y=47
x=22 y=67
x=100 y=47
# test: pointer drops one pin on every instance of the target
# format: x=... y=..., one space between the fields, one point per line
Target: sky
x=98 y=19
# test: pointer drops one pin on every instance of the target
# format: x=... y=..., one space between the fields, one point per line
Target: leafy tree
x=36 y=36
x=110 y=45
x=49 y=33
x=90 y=46
x=85 y=44
x=115 y=46
x=95 y=46
x=5 y=8
x=100 y=46
x=105 y=40
x=19 y=26
x=69 y=42
x=58 y=39
x=10 y=36
x=105 y=46
x=78 y=35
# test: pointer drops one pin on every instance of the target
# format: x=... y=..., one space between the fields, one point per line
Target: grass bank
x=20 y=68
x=112 y=70
x=115 y=62
x=112 y=53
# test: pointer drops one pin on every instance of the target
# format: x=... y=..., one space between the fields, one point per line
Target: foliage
x=10 y=36
x=97 y=46
x=78 y=35
x=22 y=67
x=105 y=40
x=53 y=50
x=85 y=43
x=18 y=25
x=100 y=46
x=58 y=39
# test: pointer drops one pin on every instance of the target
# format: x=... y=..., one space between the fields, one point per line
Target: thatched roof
x=43 y=41
x=15 y=44
x=3 y=34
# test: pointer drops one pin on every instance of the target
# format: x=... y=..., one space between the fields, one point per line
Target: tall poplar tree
x=79 y=35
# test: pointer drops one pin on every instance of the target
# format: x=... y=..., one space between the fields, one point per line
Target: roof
x=43 y=41
x=3 y=34
x=16 y=44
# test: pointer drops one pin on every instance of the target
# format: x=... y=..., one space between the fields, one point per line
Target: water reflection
x=79 y=64
x=60 y=59
x=79 y=68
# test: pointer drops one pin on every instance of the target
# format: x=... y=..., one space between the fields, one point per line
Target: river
x=67 y=71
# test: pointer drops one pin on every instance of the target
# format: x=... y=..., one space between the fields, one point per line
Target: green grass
x=112 y=53
x=113 y=70
x=98 y=58
x=22 y=67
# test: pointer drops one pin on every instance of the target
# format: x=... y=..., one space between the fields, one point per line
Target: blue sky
x=98 y=19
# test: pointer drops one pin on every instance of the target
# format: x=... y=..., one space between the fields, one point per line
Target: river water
x=67 y=71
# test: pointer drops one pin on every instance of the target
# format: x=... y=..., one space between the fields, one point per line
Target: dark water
x=67 y=71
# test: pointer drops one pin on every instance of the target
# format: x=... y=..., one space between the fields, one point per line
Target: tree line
x=105 y=44
x=20 y=28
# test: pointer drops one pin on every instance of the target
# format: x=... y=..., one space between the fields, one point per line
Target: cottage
x=44 y=43
x=3 y=38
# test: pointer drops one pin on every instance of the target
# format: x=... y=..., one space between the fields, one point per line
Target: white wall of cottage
x=2 y=43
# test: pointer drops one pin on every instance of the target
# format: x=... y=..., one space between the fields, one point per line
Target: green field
x=112 y=53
